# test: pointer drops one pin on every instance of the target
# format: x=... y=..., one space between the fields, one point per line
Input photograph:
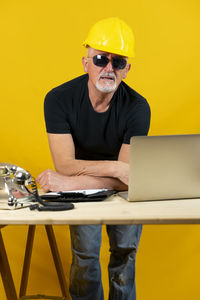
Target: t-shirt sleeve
x=138 y=121
x=55 y=114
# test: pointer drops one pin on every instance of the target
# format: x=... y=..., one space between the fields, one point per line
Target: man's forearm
x=91 y=182
x=74 y=167
x=50 y=180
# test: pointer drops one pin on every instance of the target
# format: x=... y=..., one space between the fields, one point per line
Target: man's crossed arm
x=82 y=174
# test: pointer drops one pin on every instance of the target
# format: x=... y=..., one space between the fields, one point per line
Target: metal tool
x=16 y=185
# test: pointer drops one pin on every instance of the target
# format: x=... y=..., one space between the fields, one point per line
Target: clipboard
x=78 y=195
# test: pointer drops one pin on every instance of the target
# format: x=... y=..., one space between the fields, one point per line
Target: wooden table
x=114 y=210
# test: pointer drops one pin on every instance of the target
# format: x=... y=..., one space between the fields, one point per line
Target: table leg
x=27 y=260
x=6 y=273
x=57 y=260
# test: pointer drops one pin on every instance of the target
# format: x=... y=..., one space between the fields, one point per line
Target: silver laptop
x=164 y=167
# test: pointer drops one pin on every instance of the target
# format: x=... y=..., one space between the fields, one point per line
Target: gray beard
x=106 y=88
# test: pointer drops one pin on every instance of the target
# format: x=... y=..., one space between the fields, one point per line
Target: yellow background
x=40 y=49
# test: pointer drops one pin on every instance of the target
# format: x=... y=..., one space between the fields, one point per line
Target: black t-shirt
x=97 y=136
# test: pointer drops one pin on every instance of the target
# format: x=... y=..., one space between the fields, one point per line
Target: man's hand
x=50 y=180
x=123 y=172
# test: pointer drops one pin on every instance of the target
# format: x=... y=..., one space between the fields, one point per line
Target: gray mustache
x=112 y=75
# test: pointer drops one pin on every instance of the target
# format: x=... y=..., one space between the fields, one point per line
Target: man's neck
x=99 y=100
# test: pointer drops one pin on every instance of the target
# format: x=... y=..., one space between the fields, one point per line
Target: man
x=89 y=121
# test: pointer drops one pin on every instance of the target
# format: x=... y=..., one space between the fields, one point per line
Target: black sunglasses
x=102 y=61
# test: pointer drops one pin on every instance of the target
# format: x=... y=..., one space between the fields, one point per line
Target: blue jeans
x=85 y=276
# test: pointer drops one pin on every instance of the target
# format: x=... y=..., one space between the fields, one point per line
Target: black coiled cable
x=44 y=206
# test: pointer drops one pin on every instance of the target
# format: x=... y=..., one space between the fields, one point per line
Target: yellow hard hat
x=111 y=35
